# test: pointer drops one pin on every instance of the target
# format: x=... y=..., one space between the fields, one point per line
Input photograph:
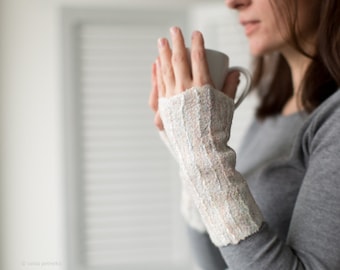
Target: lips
x=250 y=26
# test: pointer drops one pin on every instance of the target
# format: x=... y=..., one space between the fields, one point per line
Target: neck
x=298 y=65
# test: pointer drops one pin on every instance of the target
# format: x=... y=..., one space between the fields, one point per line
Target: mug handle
x=247 y=88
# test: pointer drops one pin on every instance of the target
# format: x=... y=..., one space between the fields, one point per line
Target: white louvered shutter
x=128 y=185
x=127 y=189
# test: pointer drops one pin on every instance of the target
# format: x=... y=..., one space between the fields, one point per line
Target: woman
x=287 y=214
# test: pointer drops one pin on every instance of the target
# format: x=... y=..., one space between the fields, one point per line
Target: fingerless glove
x=197 y=124
x=188 y=208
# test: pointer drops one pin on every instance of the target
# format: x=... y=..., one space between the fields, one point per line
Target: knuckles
x=198 y=55
x=179 y=58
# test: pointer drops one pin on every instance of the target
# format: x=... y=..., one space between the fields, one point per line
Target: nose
x=237 y=4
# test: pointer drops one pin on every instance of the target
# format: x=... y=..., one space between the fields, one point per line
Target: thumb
x=230 y=84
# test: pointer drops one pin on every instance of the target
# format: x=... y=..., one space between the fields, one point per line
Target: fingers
x=158 y=121
x=231 y=83
x=164 y=67
x=174 y=65
x=153 y=98
x=200 y=71
x=159 y=79
x=172 y=72
x=180 y=60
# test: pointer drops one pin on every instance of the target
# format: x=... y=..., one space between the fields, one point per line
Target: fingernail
x=195 y=34
x=161 y=42
x=158 y=63
x=174 y=30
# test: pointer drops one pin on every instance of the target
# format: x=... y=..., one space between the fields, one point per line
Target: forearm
x=197 y=123
x=227 y=208
x=220 y=193
x=188 y=208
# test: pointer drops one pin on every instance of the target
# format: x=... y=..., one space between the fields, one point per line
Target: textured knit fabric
x=307 y=187
x=188 y=207
x=272 y=140
x=197 y=123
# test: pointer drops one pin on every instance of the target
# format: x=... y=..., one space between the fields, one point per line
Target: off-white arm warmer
x=188 y=208
x=197 y=123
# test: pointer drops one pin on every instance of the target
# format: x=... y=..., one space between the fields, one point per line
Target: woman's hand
x=172 y=73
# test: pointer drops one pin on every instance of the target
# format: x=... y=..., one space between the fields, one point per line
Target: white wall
x=31 y=143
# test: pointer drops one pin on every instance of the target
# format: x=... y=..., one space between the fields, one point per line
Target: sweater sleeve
x=197 y=123
x=228 y=210
x=313 y=240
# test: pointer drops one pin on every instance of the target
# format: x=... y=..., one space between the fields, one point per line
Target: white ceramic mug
x=218 y=64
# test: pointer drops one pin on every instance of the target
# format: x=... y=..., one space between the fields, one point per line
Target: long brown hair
x=322 y=77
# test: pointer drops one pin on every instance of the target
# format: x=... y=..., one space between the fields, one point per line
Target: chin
x=256 y=52
x=260 y=50
x=263 y=46
x=256 y=47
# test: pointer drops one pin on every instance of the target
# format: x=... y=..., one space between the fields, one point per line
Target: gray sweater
x=298 y=196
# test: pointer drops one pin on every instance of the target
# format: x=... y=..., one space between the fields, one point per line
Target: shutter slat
x=128 y=196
